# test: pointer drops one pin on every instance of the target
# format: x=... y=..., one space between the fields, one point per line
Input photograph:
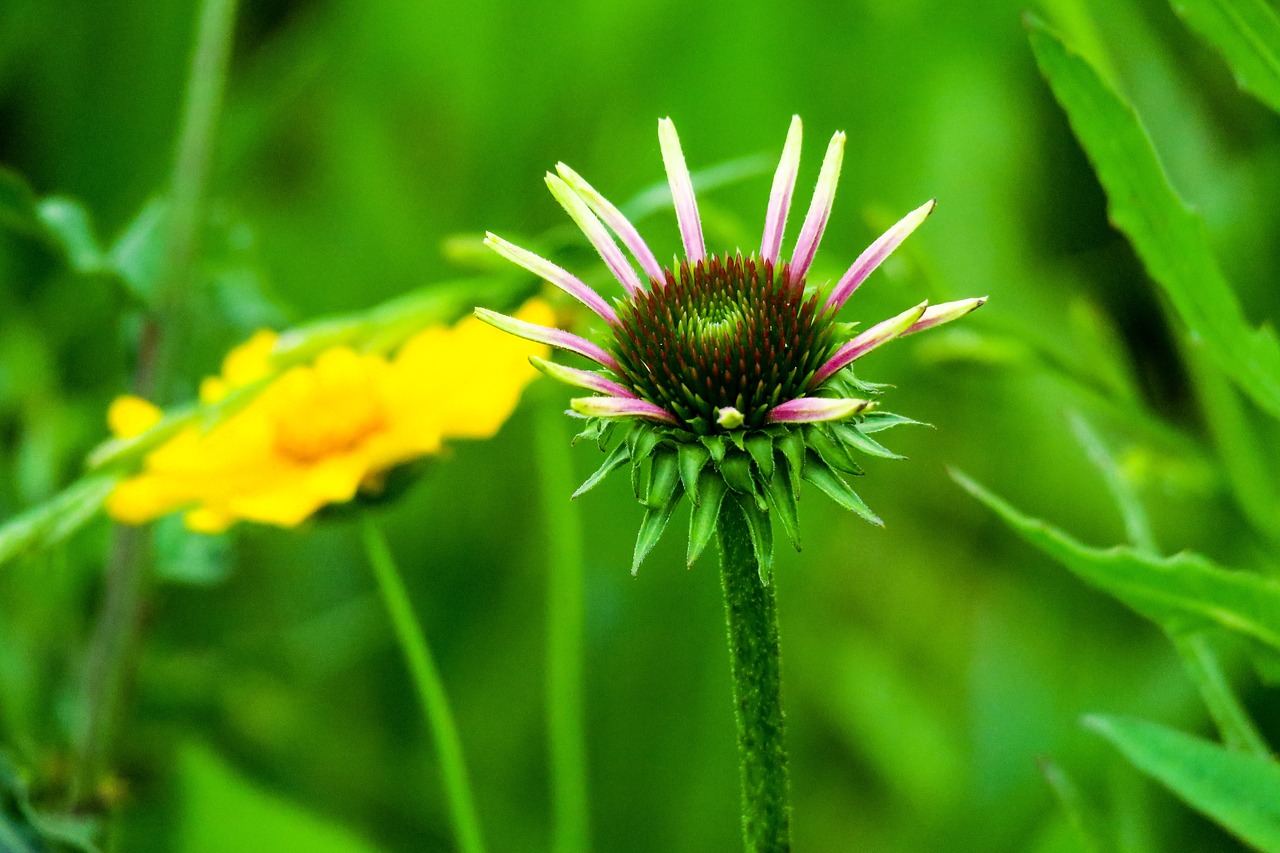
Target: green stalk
x=430 y=688
x=113 y=645
x=565 y=608
x=752 y=620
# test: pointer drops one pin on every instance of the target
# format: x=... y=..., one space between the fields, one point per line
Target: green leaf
x=619 y=455
x=853 y=436
x=67 y=222
x=222 y=810
x=53 y=521
x=782 y=503
x=1239 y=792
x=641 y=443
x=692 y=459
x=137 y=255
x=793 y=448
x=664 y=476
x=760 y=446
x=816 y=472
x=55 y=830
x=702 y=521
x=1184 y=593
x=761 y=538
x=736 y=470
x=877 y=421
x=1168 y=237
x=1247 y=34
x=833 y=452
x=651 y=527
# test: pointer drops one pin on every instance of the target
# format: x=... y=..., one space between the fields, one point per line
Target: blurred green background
x=927 y=666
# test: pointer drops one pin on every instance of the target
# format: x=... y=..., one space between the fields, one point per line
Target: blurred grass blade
x=68 y=222
x=1137 y=528
x=1182 y=594
x=1239 y=792
x=1247 y=34
x=1168 y=237
x=657 y=196
x=1205 y=670
x=51 y=522
x=1083 y=819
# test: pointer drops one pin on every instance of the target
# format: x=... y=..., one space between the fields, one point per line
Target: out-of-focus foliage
x=927 y=666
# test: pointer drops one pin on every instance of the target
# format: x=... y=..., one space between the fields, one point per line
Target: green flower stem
x=565 y=609
x=426 y=678
x=112 y=647
x=757 y=687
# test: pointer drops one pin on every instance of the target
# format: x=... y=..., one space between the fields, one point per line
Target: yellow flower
x=316 y=433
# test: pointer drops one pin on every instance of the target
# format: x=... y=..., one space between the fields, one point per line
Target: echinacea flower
x=723 y=373
x=318 y=433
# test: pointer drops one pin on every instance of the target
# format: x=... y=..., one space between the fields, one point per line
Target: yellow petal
x=129 y=416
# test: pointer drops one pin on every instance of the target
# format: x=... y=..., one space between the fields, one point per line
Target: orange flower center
x=328 y=409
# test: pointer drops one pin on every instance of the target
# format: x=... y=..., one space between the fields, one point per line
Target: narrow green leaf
x=1183 y=593
x=651 y=527
x=792 y=447
x=620 y=454
x=833 y=452
x=692 y=458
x=702 y=521
x=68 y=223
x=760 y=446
x=1239 y=792
x=877 y=421
x=1205 y=671
x=816 y=472
x=1168 y=237
x=761 y=527
x=736 y=470
x=1137 y=528
x=664 y=475
x=53 y=521
x=854 y=437
x=641 y=443
x=782 y=503
x=1247 y=34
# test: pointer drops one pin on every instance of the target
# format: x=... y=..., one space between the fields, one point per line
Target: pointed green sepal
x=620 y=454
x=693 y=458
x=738 y=437
x=651 y=527
x=876 y=421
x=837 y=489
x=702 y=521
x=782 y=504
x=833 y=452
x=760 y=446
x=641 y=443
x=854 y=437
x=761 y=538
x=715 y=446
x=793 y=449
x=664 y=476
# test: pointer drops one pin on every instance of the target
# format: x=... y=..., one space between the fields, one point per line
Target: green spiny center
x=722 y=333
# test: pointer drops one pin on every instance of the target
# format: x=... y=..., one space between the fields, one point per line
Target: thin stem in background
x=430 y=688
x=754 y=658
x=565 y=613
x=112 y=647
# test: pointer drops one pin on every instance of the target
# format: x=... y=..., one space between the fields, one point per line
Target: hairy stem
x=430 y=688
x=565 y=606
x=757 y=687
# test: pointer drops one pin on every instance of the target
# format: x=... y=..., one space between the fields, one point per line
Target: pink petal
x=824 y=195
x=876 y=253
x=558 y=338
x=558 y=276
x=681 y=192
x=588 y=379
x=595 y=232
x=620 y=407
x=805 y=410
x=784 y=183
x=936 y=315
x=614 y=218
x=864 y=343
